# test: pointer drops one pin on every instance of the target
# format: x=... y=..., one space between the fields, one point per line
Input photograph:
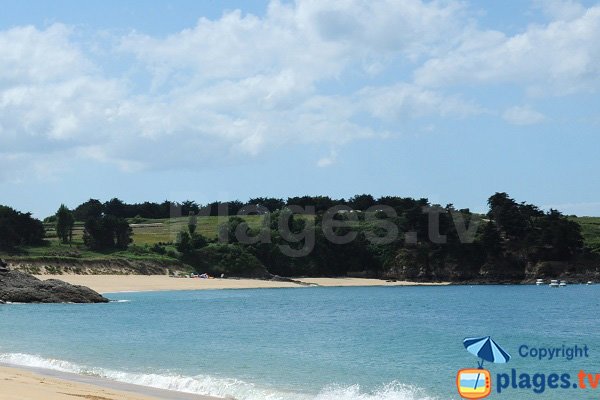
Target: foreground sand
x=125 y=283
x=20 y=384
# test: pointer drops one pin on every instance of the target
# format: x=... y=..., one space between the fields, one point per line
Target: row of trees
x=95 y=208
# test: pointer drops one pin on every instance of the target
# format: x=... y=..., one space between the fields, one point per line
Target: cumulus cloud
x=523 y=116
x=242 y=85
x=313 y=38
x=559 y=57
x=52 y=100
x=30 y=55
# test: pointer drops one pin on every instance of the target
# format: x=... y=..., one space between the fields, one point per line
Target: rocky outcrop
x=277 y=278
x=19 y=287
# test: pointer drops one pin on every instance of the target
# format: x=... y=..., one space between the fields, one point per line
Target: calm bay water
x=308 y=343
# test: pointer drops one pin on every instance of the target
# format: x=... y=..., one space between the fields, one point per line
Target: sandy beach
x=139 y=283
x=25 y=384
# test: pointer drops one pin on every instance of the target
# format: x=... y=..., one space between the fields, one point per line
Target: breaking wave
x=217 y=387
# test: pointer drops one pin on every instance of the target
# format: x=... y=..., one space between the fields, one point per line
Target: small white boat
x=539 y=282
x=554 y=283
x=562 y=284
x=590 y=283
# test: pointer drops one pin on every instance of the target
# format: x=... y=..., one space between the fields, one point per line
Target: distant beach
x=146 y=283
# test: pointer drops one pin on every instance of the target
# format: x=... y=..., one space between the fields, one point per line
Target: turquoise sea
x=390 y=343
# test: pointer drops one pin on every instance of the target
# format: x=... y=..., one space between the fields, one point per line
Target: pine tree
x=64 y=224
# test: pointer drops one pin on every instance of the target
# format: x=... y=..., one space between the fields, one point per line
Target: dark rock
x=277 y=278
x=19 y=287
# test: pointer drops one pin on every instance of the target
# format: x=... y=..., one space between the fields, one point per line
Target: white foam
x=391 y=391
x=218 y=387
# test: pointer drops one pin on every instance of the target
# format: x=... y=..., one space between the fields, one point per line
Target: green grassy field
x=156 y=231
x=153 y=231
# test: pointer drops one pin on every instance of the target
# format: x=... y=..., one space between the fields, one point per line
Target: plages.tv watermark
x=478 y=383
x=538 y=382
x=339 y=225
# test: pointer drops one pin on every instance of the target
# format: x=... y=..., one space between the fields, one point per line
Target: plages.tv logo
x=476 y=383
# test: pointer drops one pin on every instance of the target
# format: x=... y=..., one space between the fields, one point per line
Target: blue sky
x=225 y=100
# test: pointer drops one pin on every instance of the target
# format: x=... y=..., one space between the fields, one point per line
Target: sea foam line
x=218 y=387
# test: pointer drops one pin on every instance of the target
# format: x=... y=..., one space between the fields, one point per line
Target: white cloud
x=316 y=39
x=52 y=100
x=328 y=160
x=30 y=55
x=562 y=56
x=241 y=85
x=402 y=101
x=560 y=9
x=523 y=115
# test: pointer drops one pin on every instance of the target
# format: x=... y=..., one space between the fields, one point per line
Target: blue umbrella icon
x=486 y=349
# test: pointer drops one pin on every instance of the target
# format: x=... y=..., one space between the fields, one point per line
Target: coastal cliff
x=108 y=266
x=493 y=272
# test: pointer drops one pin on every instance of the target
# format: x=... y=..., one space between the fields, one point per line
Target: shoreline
x=21 y=382
x=153 y=283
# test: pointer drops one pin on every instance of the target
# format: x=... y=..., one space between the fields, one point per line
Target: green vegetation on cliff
x=390 y=237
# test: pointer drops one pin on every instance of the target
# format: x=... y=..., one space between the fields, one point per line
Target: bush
x=172 y=253
x=158 y=249
x=228 y=259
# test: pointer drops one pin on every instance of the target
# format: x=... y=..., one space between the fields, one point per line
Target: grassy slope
x=153 y=231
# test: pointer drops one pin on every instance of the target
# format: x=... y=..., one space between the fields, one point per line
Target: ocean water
x=389 y=343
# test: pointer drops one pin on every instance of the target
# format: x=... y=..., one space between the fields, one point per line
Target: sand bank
x=124 y=283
